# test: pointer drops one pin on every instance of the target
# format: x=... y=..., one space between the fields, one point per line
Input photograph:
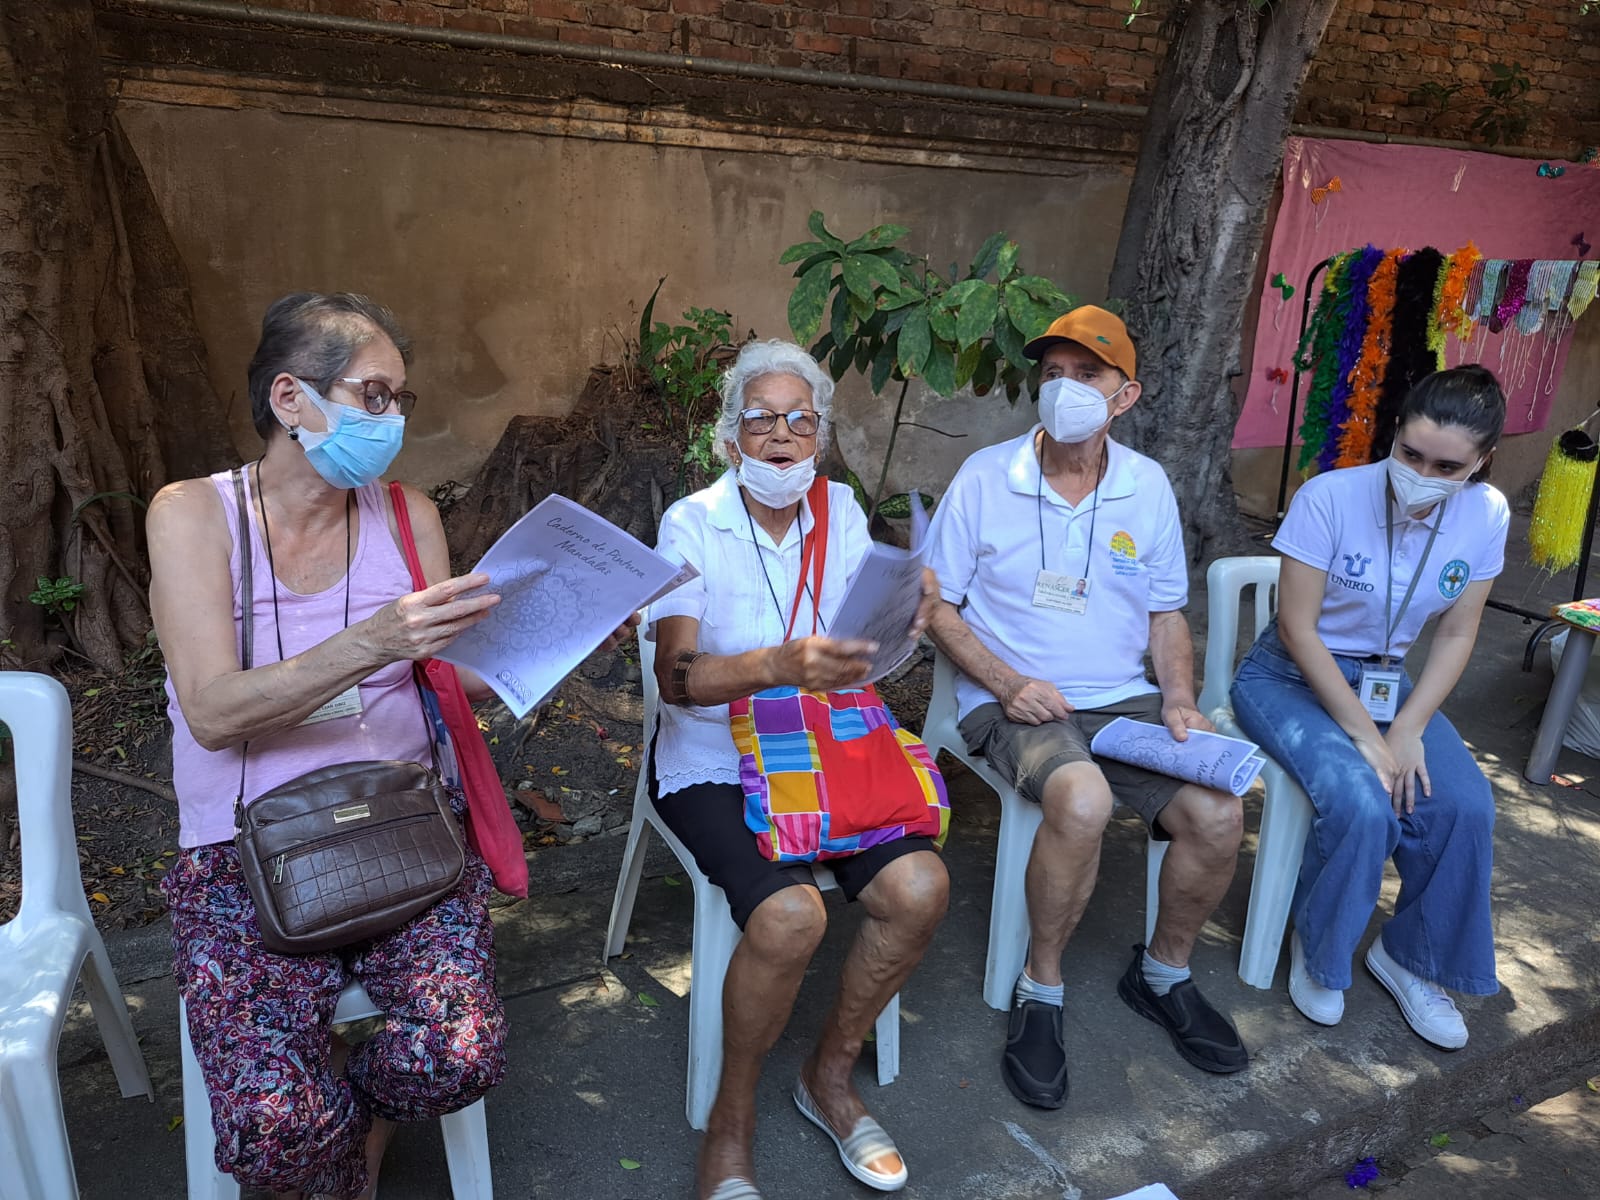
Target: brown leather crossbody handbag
x=343 y=853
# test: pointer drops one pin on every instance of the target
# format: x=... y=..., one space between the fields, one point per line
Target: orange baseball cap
x=1096 y=330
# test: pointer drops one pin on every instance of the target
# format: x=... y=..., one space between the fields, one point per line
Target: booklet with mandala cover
x=567 y=578
x=1213 y=760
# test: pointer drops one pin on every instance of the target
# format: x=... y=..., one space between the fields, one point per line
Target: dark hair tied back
x=313 y=337
x=1467 y=398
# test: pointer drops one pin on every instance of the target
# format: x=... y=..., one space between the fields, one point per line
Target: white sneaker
x=1324 y=1005
x=1426 y=1008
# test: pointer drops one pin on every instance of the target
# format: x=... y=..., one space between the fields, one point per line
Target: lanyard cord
x=772 y=591
x=1390 y=624
x=266 y=538
x=1094 y=511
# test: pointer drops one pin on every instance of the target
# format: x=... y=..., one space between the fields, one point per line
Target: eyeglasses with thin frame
x=377 y=395
x=801 y=422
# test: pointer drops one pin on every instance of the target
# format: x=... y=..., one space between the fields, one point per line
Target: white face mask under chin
x=776 y=487
x=1416 y=493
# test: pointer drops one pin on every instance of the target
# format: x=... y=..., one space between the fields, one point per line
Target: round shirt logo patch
x=1453 y=579
x=1122 y=545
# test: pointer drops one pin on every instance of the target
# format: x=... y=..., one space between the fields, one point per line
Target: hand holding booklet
x=882 y=599
x=567 y=578
x=1213 y=760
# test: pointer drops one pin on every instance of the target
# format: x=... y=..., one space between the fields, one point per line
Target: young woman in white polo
x=1369 y=555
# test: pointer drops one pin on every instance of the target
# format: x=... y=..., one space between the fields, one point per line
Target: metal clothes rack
x=1545 y=623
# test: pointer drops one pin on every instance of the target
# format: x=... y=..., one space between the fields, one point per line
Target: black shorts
x=708 y=818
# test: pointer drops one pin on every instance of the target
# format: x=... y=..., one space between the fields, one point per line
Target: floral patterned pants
x=260 y=1023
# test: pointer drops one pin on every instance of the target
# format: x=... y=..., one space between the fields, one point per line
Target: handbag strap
x=814 y=556
x=408 y=543
x=408 y=547
x=247 y=605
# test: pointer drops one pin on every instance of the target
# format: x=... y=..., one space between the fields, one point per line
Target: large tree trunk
x=102 y=371
x=1186 y=260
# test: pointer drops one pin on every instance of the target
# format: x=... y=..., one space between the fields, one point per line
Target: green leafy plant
x=891 y=316
x=1505 y=113
x=701 y=451
x=57 y=597
x=1437 y=98
x=1502 y=113
x=684 y=361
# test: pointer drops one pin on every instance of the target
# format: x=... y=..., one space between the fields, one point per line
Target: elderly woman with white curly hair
x=725 y=636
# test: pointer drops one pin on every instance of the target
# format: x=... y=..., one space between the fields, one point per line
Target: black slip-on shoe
x=1202 y=1035
x=1034 y=1065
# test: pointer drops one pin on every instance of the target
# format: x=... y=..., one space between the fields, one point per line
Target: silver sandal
x=735 y=1188
x=867 y=1142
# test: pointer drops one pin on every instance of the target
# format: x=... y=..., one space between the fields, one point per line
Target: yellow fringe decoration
x=1555 y=535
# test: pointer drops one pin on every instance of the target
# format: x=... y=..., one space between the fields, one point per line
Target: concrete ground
x=597 y=1072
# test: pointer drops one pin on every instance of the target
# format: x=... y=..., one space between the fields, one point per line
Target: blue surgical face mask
x=357 y=447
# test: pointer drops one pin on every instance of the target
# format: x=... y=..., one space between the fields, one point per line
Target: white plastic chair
x=715 y=934
x=1286 y=812
x=44 y=951
x=1019 y=822
x=466 y=1134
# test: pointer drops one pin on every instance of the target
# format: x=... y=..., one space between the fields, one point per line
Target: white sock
x=1029 y=988
x=1160 y=977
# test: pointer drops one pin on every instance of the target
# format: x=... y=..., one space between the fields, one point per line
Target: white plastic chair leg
x=206 y=1182
x=1008 y=909
x=33 y=1132
x=111 y=1015
x=715 y=936
x=466 y=1151
x=633 y=856
x=1155 y=854
x=887 y=1041
x=1286 y=817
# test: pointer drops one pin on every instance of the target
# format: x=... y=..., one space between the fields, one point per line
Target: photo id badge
x=1380 y=692
x=346 y=704
x=1064 y=593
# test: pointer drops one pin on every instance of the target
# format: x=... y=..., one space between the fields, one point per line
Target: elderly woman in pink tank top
x=336 y=627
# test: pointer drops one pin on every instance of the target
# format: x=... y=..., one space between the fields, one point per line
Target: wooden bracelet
x=678 y=681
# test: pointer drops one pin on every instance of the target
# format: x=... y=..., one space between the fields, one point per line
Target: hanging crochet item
x=1555 y=534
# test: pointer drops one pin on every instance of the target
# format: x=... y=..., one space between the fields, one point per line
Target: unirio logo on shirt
x=1453 y=579
x=1355 y=566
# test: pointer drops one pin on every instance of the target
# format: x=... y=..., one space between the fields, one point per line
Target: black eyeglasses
x=802 y=422
x=378 y=395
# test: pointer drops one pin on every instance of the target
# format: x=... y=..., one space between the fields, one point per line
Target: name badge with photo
x=1380 y=692
x=1064 y=593
x=346 y=704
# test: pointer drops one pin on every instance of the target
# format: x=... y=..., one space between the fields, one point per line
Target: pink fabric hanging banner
x=1341 y=195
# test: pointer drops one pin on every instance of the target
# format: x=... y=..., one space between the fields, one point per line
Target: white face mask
x=1416 y=493
x=1073 y=411
x=777 y=487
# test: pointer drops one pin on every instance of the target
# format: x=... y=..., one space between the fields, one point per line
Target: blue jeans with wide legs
x=1441 y=927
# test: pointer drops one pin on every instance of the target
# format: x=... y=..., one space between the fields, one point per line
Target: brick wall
x=1376 y=55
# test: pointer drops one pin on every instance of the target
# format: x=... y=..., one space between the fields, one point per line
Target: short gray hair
x=313 y=337
x=757 y=360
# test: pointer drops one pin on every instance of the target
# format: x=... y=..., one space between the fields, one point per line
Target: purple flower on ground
x=1363 y=1173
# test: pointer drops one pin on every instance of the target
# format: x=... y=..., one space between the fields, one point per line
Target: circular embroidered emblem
x=1122 y=545
x=1453 y=579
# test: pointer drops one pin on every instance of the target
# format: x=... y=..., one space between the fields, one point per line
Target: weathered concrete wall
x=516 y=259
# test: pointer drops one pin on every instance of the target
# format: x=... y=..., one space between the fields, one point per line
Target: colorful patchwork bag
x=830 y=774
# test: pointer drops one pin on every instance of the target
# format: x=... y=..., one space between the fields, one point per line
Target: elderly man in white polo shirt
x=1061 y=563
